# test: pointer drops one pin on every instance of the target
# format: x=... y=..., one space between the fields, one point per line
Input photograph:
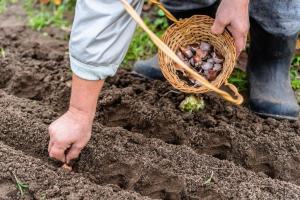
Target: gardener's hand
x=72 y=131
x=69 y=135
x=233 y=14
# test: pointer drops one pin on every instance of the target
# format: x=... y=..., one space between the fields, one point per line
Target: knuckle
x=243 y=28
x=221 y=21
x=54 y=153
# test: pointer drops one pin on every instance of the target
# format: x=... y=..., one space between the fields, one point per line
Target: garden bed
x=143 y=146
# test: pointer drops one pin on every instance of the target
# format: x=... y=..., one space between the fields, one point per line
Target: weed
x=239 y=79
x=4 y=3
x=141 y=45
x=295 y=78
x=2 y=52
x=43 y=197
x=21 y=186
x=41 y=15
x=294 y=73
x=209 y=180
x=296 y=62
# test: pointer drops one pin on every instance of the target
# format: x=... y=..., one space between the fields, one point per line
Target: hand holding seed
x=68 y=136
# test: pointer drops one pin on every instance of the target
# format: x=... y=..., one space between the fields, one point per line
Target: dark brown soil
x=143 y=146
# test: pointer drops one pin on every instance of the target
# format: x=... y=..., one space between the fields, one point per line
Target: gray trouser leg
x=179 y=5
x=275 y=16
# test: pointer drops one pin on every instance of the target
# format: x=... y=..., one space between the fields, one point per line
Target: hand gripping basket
x=185 y=32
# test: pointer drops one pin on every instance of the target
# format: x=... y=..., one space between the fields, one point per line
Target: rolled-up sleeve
x=100 y=37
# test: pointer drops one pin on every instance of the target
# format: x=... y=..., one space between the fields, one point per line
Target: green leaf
x=160 y=13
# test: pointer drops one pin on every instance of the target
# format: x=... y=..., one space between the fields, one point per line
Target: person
x=101 y=34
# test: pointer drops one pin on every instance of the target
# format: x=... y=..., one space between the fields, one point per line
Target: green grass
x=141 y=46
x=41 y=16
x=4 y=3
x=294 y=73
x=239 y=79
x=22 y=187
x=209 y=180
x=2 y=52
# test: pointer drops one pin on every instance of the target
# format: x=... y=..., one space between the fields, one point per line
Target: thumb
x=218 y=27
x=73 y=153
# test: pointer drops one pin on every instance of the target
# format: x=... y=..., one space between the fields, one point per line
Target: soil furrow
x=224 y=131
x=47 y=182
x=148 y=166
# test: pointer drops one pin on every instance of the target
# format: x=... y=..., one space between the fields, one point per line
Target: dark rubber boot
x=268 y=67
x=150 y=68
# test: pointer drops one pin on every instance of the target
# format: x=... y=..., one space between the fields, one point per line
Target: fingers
x=57 y=152
x=50 y=145
x=56 y=149
x=240 y=37
x=219 y=26
x=73 y=153
x=240 y=44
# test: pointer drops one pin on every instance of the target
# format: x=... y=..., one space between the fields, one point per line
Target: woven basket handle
x=167 y=13
x=164 y=48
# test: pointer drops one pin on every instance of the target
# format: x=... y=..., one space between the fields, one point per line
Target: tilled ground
x=142 y=146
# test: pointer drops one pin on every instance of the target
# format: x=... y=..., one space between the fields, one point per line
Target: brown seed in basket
x=202 y=57
x=201 y=54
x=207 y=65
x=212 y=75
x=217 y=58
x=187 y=52
x=217 y=67
x=197 y=60
x=180 y=55
x=204 y=46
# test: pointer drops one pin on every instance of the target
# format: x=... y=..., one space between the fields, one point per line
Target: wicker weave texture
x=190 y=31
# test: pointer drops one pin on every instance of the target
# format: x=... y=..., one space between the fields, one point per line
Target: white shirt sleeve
x=101 y=33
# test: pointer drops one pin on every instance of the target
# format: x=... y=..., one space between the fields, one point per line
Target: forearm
x=84 y=96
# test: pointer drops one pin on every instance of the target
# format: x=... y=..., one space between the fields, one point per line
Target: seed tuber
x=203 y=58
x=66 y=167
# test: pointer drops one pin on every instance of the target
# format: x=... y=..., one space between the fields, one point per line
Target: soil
x=143 y=146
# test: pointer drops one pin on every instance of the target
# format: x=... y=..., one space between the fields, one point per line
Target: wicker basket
x=185 y=32
x=191 y=31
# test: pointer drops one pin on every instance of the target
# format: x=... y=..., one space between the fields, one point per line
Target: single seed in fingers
x=66 y=167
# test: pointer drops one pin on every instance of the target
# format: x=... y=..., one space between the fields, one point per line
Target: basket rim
x=205 y=22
